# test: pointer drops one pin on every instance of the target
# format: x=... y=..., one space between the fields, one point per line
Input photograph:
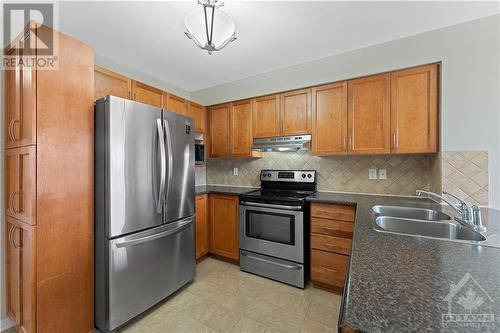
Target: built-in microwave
x=199 y=153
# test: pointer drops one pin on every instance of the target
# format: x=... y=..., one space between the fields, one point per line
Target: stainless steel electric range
x=274 y=224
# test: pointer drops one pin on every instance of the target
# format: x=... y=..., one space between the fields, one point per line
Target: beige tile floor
x=224 y=299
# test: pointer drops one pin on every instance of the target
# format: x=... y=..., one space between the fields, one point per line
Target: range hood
x=283 y=143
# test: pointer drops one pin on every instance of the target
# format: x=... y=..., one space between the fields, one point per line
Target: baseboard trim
x=5 y=324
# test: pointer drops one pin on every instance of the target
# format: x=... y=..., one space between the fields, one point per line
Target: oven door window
x=273 y=227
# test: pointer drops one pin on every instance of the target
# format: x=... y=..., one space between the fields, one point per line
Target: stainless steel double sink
x=422 y=222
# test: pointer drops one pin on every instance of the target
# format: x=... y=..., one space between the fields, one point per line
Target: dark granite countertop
x=221 y=189
x=398 y=283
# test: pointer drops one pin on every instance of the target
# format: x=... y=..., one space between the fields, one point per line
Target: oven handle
x=246 y=254
x=246 y=203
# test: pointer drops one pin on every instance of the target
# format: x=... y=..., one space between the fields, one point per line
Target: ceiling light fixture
x=209 y=31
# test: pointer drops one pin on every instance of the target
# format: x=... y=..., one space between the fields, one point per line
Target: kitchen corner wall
x=405 y=173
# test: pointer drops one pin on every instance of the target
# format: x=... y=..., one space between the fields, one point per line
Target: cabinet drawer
x=329 y=268
x=332 y=227
x=336 y=212
x=20 y=166
x=331 y=244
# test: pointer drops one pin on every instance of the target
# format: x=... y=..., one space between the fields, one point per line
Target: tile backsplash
x=200 y=175
x=465 y=174
x=405 y=173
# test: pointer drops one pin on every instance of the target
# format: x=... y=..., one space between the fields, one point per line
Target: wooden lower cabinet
x=21 y=262
x=202 y=226
x=332 y=227
x=224 y=225
x=328 y=269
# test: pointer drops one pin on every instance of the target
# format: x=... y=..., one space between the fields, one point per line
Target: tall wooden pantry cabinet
x=49 y=187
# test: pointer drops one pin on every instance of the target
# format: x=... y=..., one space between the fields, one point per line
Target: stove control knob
x=303 y=175
x=309 y=176
x=269 y=174
x=264 y=175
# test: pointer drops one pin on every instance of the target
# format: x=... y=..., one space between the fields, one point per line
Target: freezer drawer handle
x=246 y=254
x=181 y=225
x=163 y=165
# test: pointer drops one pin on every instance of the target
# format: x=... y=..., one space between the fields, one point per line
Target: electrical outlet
x=372 y=174
x=235 y=171
x=382 y=174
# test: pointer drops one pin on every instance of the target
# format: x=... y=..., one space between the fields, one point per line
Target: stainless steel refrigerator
x=144 y=208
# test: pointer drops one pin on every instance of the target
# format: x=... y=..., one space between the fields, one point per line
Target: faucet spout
x=469 y=216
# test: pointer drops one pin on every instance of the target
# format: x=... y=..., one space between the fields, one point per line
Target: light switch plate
x=382 y=174
x=235 y=171
x=372 y=174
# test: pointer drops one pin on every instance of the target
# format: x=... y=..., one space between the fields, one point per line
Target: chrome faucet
x=470 y=216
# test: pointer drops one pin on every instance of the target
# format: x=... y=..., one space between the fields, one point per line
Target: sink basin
x=411 y=213
x=444 y=230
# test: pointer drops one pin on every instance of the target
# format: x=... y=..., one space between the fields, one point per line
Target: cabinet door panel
x=175 y=104
x=197 y=112
x=296 y=112
x=21 y=301
x=202 y=229
x=224 y=226
x=369 y=115
x=414 y=110
x=24 y=237
x=20 y=95
x=266 y=115
x=241 y=128
x=20 y=176
x=109 y=83
x=329 y=129
x=147 y=94
x=12 y=257
x=219 y=130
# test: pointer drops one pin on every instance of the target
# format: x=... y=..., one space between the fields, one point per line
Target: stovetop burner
x=278 y=186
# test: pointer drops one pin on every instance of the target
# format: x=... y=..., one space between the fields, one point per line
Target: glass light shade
x=197 y=23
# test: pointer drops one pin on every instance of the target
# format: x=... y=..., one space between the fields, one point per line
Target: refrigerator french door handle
x=169 y=157
x=178 y=227
x=161 y=142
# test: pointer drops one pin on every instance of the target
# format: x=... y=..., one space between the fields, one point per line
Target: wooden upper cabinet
x=224 y=226
x=146 y=94
x=368 y=114
x=266 y=116
x=329 y=119
x=175 y=103
x=414 y=110
x=197 y=112
x=296 y=112
x=20 y=169
x=202 y=228
x=219 y=130
x=241 y=128
x=20 y=102
x=110 y=83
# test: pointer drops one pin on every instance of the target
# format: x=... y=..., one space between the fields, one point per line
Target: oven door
x=276 y=231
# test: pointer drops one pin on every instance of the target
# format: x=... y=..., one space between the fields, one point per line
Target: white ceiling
x=149 y=36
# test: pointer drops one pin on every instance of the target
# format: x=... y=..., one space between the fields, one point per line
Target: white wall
x=470 y=58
